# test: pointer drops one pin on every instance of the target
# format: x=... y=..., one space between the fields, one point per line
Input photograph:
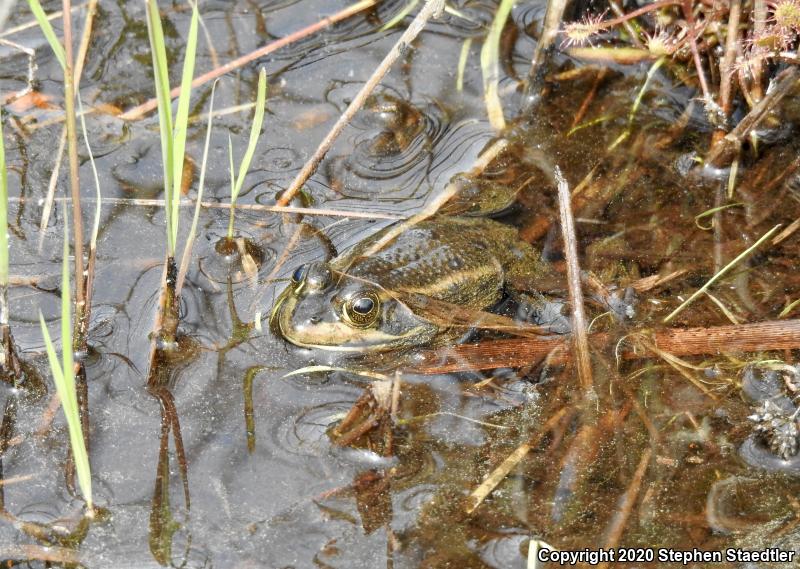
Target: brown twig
x=72 y=153
x=518 y=352
x=626 y=503
x=33 y=23
x=692 y=33
x=579 y=327
x=756 y=68
x=598 y=79
x=432 y=8
x=726 y=65
x=138 y=112
x=723 y=150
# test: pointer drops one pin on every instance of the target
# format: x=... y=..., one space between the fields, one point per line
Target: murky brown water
x=664 y=457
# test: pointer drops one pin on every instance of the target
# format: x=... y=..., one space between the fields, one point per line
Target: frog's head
x=326 y=309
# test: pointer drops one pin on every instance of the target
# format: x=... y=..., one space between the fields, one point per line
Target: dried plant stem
x=757 y=68
x=552 y=24
x=579 y=328
x=82 y=51
x=47 y=208
x=75 y=186
x=726 y=66
x=431 y=9
x=480 y=493
x=249 y=207
x=138 y=112
x=626 y=503
x=33 y=23
x=721 y=272
x=518 y=352
x=626 y=22
x=428 y=211
x=724 y=150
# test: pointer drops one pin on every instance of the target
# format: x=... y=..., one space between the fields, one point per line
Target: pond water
x=232 y=463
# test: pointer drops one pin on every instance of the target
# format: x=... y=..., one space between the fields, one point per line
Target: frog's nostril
x=315 y=320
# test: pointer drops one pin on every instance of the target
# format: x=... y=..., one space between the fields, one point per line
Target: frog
x=405 y=286
x=395 y=136
x=399 y=123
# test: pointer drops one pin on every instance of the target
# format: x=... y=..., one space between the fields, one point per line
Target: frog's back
x=466 y=261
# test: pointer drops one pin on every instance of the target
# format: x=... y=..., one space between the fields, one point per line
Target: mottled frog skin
x=373 y=298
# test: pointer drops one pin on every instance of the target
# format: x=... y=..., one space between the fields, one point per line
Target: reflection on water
x=216 y=458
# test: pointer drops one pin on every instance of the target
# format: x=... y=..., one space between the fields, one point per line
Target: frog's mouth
x=333 y=335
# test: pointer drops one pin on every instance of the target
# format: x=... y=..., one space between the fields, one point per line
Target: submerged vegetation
x=640 y=390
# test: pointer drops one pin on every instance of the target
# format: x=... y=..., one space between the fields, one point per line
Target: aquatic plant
x=237 y=180
x=173 y=131
x=64 y=377
x=490 y=66
x=64 y=55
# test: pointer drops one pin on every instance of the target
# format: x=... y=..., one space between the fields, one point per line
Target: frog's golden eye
x=361 y=310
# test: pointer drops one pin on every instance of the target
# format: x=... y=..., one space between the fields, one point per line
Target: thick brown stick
x=759 y=336
x=579 y=327
x=137 y=113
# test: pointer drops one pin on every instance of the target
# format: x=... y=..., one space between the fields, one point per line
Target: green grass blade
x=230 y=164
x=255 y=132
x=400 y=16
x=69 y=397
x=52 y=356
x=490 y=65
x=187 y=249
x=3 y=214
x=182 y=120
x=161 y=76
x=64 y=378
x=49 y=33
x=721 y=272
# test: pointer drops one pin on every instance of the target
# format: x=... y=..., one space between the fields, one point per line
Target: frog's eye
x=362 y=309
x=298 y=274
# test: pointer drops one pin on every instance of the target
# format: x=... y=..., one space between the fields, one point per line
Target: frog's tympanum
x=394 y=289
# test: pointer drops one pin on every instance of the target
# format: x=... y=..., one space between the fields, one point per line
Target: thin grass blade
x=490 y=65
x=64 y=378
x=720 y=273
x=52 y=356
x=182 y=120
x=69 y=399
x=400 y=16
x=159 y=53
x=49 y=33
x=187 y=249
x=98 y=194
x=255 y=131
